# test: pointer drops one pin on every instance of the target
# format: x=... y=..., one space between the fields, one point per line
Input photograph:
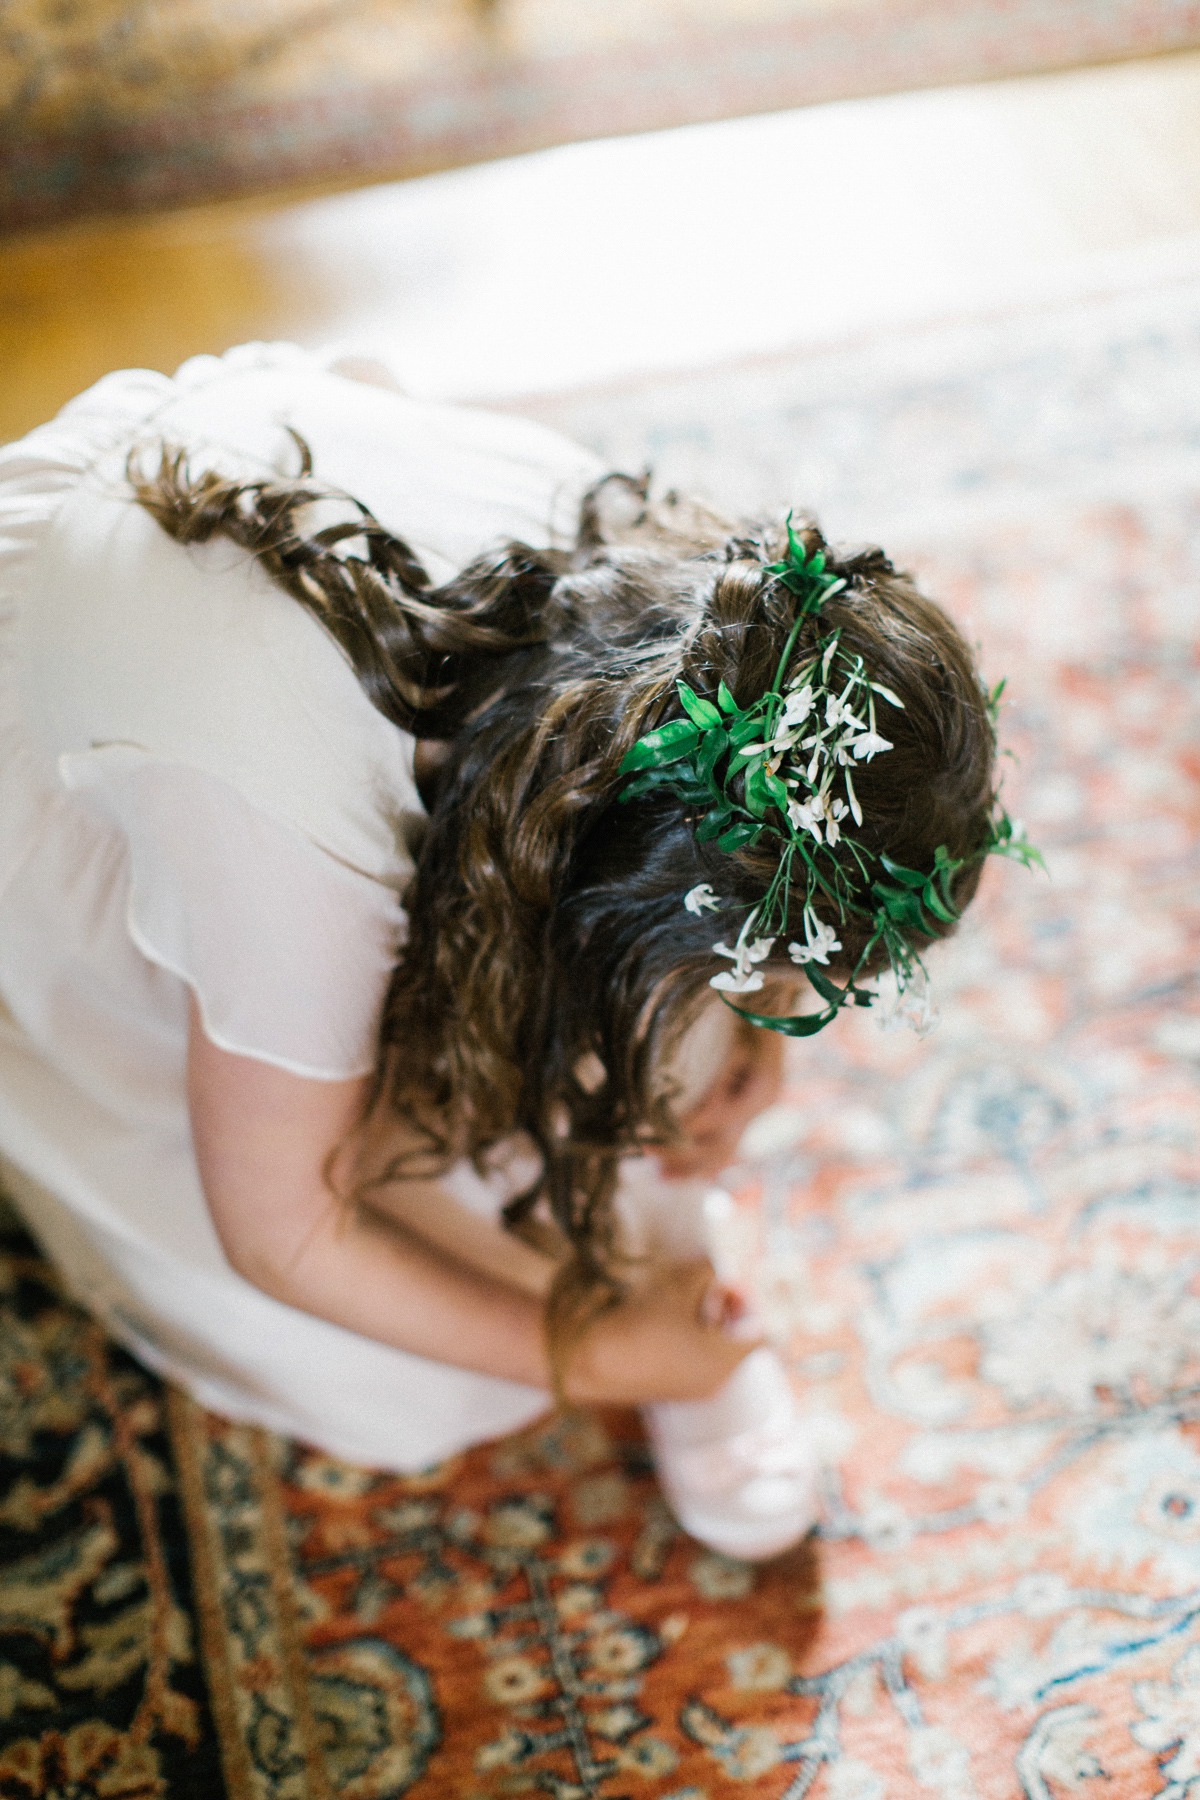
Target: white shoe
x=736 y=1468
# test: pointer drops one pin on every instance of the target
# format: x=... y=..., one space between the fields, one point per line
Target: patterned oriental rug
x=981 y=1254
x=122 y=105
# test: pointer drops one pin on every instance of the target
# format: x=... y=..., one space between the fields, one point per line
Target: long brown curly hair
x=551 y=966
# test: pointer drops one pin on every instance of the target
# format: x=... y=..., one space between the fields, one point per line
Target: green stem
x=775 y=695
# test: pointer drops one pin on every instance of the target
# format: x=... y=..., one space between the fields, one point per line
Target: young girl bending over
x=367 y=866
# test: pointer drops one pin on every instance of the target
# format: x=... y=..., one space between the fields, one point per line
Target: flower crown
x=784 y=767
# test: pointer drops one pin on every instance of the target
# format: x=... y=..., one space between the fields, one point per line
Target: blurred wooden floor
x=598 y=260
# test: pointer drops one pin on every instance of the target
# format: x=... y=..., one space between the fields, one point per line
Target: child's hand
x=675 y=1338
x=750 y=1081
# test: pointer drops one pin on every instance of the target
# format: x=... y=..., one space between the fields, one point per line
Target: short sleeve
x=288 y=951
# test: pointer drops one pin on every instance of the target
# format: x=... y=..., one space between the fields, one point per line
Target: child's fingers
x=667 y=1341
x=727 y=1309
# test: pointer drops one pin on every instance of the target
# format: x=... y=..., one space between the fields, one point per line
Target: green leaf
x=799 y=1025
x=712 y=749
x=697 y=708
x=740 y=837
x=909 y=877
x=725 y=699
x=748 y=727
x=776 y=789
x=642 y=784
x=669 y=744
x=933 y=900
x=758 y=795
x=713 y=824
x=677 y=781
x=827 y=989
x=945 y=869
x=901 y=905
x=1022 y=851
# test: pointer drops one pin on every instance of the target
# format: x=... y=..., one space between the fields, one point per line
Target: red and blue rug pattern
x=980 y=1253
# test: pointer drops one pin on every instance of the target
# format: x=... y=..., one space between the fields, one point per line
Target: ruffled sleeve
x=263 y=805
x=288 y=951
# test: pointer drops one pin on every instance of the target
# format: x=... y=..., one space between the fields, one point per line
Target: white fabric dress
x=195 y=792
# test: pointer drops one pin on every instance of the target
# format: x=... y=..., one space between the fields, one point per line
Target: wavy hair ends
x=551 y=966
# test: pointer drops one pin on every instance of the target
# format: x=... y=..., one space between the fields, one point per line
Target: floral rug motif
x=101 y=1692
x=980 y=1254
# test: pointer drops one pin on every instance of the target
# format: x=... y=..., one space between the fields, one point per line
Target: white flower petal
x=730 y=982
x=759 y=950
x=888 y=694
x=870 y=744
x=701 y=899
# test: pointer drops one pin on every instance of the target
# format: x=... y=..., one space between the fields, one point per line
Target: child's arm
x=263 y=1138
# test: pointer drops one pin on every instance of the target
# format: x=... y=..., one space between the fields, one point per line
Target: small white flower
x=869 y=745
x=798 y=705
x=838 y=712
x=906 y=1001
x=834 y=812
x=732 y=981
x=755 y=951
x=754 y=749
x=701 y=899
x=743 y=978
x=806 y=816
x=821 y=939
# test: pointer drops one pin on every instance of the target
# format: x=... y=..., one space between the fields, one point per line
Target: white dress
x=195 y=793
